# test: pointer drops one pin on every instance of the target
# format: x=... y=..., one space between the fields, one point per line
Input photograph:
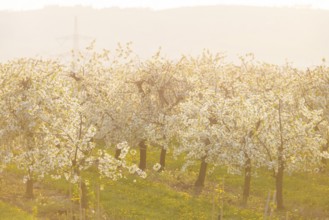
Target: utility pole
x=75 y=44
x=76 y=36
x=75 y=49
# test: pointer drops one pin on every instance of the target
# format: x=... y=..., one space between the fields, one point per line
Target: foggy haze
x=274 y=35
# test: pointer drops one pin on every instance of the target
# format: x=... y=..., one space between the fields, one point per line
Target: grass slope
x=8 y=212
x=171 y=195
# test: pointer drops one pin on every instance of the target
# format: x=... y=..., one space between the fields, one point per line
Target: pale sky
x=158 y=4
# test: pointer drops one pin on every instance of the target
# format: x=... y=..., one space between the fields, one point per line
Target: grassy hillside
x=8 y=212
x=171 y=195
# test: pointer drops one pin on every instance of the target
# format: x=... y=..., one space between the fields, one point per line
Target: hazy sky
x=157 y=4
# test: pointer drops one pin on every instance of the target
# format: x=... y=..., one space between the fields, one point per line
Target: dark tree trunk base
x=279 y=175
x=117 y=153
x=279 y=189
x=84 y=195
x=323 y=160
x=163 y=159
x=247 y=180
x=142 y=155
x=29 y=189
x=202 y=174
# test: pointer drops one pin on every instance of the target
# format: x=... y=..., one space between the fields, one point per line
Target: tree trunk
x=324 y=160
x=247 y=180
x=117 y=153
x=279 y=187
x=279 y=175
x=142 y=155
x=202 y=173
x=29 y=189
x=163 y=159
x=84 y=195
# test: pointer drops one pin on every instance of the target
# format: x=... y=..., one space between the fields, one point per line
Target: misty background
x=276 y=35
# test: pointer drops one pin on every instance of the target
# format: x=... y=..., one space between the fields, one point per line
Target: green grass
x=144 y=199
x=171 y=195
x=8 y=212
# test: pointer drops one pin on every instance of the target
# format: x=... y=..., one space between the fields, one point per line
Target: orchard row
x=242 y=116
